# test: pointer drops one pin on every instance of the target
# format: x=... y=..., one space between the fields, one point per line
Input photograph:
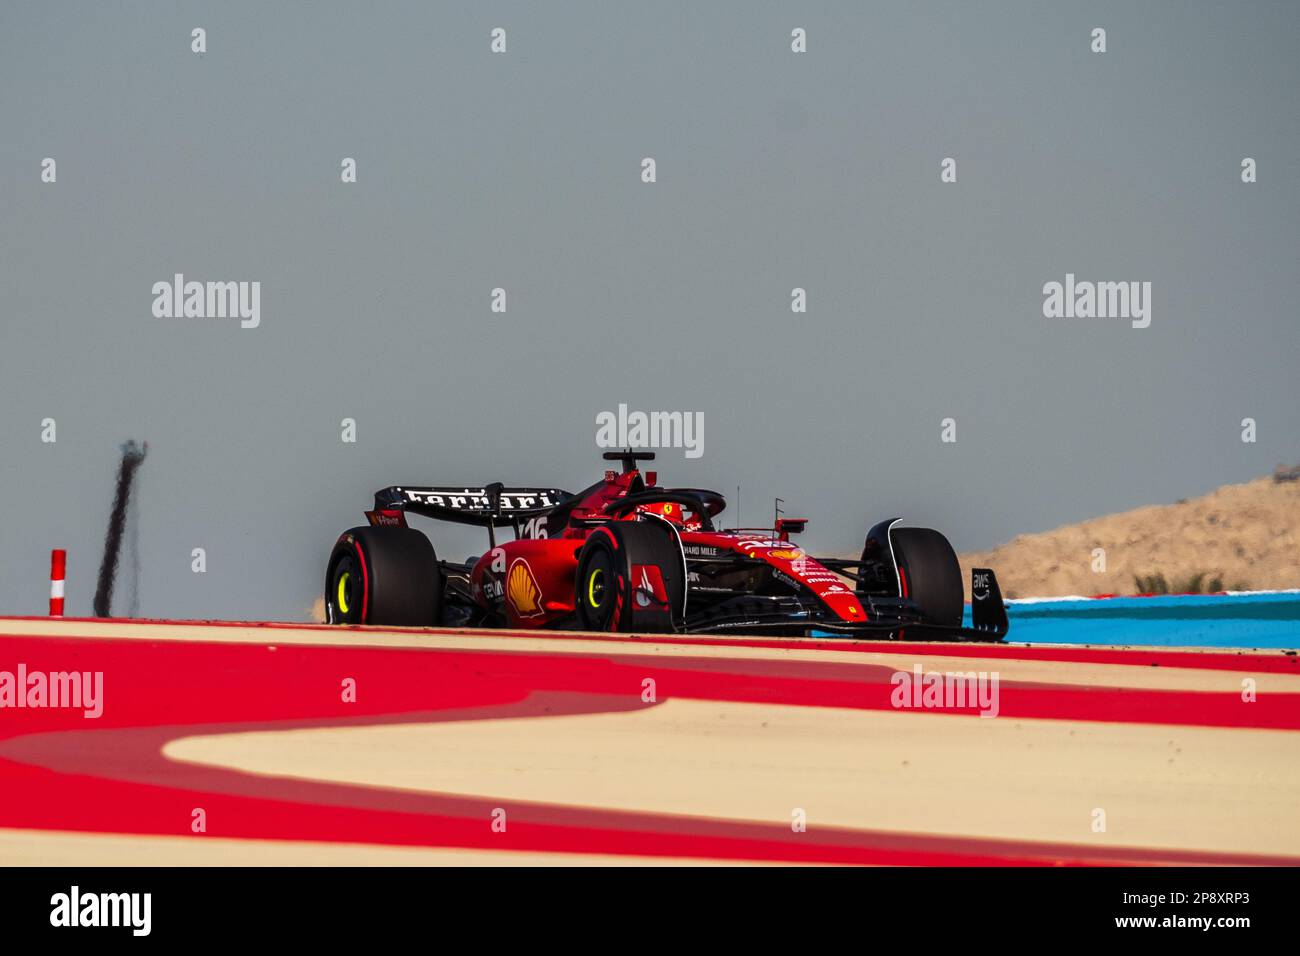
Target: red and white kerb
x=58 y=565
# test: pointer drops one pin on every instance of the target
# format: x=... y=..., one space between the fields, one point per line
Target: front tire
x=631 y=577
x=384 y=576
x=930 y=574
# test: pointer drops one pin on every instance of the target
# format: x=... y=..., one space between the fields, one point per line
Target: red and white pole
x=58 y=565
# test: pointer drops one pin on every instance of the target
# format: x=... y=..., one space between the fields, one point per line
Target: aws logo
x=522 y=591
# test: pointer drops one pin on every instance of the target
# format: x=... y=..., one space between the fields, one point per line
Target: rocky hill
x=1237 y=537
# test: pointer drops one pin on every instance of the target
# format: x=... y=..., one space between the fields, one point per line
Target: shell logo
x=787 y=554
x=522 y=590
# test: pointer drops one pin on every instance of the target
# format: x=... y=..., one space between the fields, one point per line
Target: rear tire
x=932 y=575
x=609 y=596
x=385 y=576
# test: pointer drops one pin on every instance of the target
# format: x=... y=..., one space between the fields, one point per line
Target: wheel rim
x=598 y=591
x=344 y=592
x=596 y=588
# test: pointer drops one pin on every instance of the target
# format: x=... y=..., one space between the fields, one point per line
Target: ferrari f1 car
x=629 y=555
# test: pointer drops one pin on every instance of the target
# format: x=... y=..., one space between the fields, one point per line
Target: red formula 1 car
x=629 y=555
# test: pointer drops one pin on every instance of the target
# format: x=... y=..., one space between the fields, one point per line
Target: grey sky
x=522 y=170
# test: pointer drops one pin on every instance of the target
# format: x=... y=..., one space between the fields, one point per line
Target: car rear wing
x=483 y=507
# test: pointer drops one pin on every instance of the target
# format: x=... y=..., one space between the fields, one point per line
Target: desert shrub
x=1151 y=583
x=1199 y=582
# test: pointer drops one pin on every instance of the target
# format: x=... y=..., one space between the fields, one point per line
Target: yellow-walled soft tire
x=608 y=595
x=383 y=576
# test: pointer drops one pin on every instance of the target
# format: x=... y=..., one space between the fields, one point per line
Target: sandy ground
x=1248 y=535
x=740 y=648
x=696 y=762
x=55 y=848
x=942 y=774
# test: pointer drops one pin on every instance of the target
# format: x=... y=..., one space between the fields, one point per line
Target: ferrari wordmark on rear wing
x=475 y=506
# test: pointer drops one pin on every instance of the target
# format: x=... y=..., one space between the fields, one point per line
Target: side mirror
x=788 y=526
